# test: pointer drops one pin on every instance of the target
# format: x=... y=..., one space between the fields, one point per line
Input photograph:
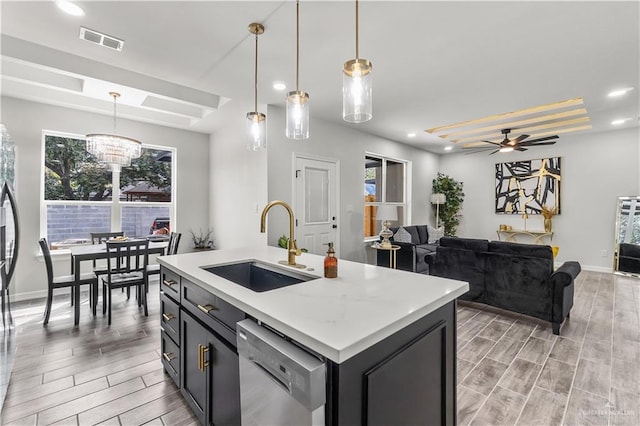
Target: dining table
x=86 y=252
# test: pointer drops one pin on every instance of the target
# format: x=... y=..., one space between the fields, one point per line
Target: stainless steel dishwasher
x=280 y=384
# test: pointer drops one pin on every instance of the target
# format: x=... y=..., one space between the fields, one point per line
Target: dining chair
x=172 y=248
x=61 y=281
x=99 y=238
x=127 y=263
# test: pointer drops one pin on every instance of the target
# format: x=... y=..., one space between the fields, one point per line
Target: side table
x=392 y=253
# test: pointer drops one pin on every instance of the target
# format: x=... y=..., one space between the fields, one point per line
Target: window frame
x=116 y=204
x=406 y=203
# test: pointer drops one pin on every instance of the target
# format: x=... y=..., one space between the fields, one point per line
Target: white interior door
x=316 y=204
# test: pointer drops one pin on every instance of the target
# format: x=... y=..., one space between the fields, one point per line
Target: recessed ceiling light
x=619 y=92
x=411 y=135
x=70 y=8
x=448 y=148
x=619 y=121
x=278 y=85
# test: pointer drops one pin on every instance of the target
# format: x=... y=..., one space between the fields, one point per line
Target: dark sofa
x=511 y=276
x=414 y=256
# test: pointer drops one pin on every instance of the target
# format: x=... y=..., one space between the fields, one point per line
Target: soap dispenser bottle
x=331 y=263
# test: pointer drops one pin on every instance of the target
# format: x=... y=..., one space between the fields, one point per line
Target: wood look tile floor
x=511 y=368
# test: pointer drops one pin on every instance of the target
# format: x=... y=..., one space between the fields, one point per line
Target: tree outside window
x=79 y=191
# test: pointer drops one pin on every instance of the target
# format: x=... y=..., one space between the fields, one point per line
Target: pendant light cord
x=297 y=44
x=115 y=95
x=255 y=79
x=357 y=55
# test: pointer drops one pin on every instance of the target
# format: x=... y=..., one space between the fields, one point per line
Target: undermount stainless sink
x=258 y=276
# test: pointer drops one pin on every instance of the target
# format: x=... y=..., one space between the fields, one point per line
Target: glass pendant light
x=116 y=151
x=297 y=101
x=256 y=121
x=357 y=102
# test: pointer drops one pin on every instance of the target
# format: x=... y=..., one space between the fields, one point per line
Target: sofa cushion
x=402 y=236
x=413 y=230
x=423 y=234
x=465 y=243
x=518 y=249
x=434 y=234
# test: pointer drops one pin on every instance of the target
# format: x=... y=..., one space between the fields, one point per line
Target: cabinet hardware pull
x=199 y=357
x=206 y=308
x=169 y=356
x=168 y=283
x=168 y=317
x=205 y=363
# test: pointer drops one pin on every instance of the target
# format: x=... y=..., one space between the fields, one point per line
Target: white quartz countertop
x=336 y=317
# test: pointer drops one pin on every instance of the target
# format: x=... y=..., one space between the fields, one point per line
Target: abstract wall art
x=526 y=186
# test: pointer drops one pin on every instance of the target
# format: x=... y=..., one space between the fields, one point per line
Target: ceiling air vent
x=101 y=39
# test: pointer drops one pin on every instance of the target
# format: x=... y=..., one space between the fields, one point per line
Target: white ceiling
x=434 y=63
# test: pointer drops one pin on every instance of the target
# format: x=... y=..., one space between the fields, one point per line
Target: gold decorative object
x=547 y=213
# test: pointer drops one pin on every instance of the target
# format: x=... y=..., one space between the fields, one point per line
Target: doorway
x=316 y=200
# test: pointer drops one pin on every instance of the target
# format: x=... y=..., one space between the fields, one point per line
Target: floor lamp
x=438 y=199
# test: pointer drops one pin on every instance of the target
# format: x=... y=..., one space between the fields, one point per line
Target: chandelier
x=116 y=151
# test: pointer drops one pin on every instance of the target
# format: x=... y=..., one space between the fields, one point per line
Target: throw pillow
x=402 y=236
x=435 y=234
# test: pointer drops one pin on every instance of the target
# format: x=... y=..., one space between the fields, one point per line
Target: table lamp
x=438 y=199
x=385 y=214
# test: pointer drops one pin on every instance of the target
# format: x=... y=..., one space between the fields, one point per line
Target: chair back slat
x=44 y=246
x=174 y=241
x=101 y=237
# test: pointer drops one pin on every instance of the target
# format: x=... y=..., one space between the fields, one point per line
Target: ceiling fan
x=518 y=144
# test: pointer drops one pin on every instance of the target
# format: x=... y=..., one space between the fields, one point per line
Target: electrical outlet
x=604 y=253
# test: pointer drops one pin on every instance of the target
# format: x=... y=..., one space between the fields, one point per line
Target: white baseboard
x=19 y=297
x=605 y=269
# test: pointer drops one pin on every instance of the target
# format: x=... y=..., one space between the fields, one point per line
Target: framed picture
x=526 y=186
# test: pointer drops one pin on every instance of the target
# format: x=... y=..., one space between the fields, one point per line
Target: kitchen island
x=387 y=336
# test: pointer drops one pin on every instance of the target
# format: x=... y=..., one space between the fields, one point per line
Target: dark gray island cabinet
x=383 y=369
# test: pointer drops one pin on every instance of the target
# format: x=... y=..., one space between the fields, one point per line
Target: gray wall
x=238 y=182
x=347 y=145
x=596 y=168
x=25 y=121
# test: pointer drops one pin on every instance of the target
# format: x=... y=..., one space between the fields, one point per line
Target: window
x=81 y=196
x=385 y=183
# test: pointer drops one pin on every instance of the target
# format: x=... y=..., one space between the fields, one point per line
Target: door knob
x=334 y=226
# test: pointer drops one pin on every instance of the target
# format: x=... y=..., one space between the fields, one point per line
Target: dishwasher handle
x=285 y=385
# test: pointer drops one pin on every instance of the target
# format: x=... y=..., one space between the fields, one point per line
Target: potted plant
x=452 y=189
x=202 y=240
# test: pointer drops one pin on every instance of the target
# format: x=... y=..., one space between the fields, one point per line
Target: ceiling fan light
x=297 y=115
x=506 y=149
